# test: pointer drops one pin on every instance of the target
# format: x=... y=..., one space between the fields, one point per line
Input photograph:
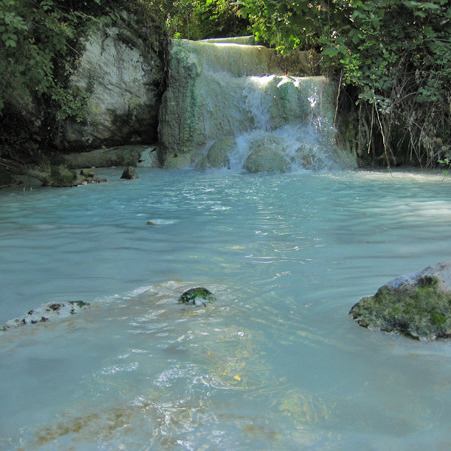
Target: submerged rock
x=47 y=312
x=416 y=305
x=197 y=296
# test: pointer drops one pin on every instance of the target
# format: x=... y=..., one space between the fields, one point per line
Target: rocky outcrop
x=416 y=305
x=122 y=69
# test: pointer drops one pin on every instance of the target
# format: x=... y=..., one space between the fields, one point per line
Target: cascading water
x=232 y=105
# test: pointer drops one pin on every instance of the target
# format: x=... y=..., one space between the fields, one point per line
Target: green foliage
x=203 y=19
x=284 y=25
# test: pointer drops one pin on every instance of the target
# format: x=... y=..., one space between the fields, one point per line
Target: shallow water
x=275 y=363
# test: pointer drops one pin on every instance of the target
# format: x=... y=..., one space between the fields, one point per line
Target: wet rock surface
x=47 y=312
x=197 y=296
x=416 y=305
x=129 y=173
x=105 y=157
x=63 y=177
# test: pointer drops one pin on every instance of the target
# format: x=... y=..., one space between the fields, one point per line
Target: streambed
x=275 y=363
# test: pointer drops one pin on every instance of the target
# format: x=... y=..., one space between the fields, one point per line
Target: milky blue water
x=275 y=363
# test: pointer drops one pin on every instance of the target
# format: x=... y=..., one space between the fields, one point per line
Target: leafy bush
x=203 y=19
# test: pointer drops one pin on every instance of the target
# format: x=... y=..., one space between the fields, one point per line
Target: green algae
x=421 y=311
x=197 y=296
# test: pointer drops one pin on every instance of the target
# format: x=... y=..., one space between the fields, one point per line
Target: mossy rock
x=197 y=296
x=218 y=154
x=266 y=159
x=417 y=306
x=129 y=173
x=60 y=176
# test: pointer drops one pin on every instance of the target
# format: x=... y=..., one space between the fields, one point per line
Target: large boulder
x=267 y=155
x=218 y=154
x=122 y=69
x=266 y=159
x=416 y=305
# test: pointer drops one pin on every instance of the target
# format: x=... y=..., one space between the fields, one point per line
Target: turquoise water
x=275 y=363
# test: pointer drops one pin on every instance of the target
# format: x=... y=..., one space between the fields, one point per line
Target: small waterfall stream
x=232 y=105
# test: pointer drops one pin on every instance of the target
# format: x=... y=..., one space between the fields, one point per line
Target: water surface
x=275 y=363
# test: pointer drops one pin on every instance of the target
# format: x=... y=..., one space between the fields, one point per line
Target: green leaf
x=330 y=51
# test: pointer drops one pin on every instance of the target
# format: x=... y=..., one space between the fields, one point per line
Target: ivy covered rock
x=197 y=296
x=415 y=305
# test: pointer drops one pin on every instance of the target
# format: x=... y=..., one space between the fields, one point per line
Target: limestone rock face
x=416 y=305
x=122 y=69
x=180 y=128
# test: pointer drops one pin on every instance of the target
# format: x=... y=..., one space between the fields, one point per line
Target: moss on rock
x=420 y=311
x=61 y=176
x=197 y=296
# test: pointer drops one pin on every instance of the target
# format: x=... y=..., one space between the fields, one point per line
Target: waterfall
x=233 y=105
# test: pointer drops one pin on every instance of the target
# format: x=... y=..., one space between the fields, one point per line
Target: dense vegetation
x=392 y=58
